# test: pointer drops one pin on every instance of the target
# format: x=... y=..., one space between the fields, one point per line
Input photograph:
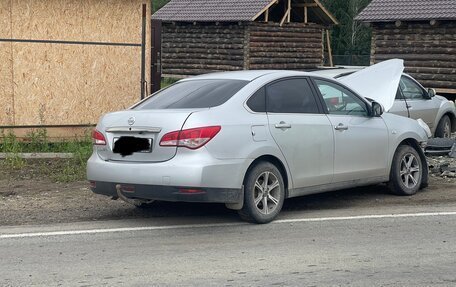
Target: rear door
x=361 y=141
x=302 y=132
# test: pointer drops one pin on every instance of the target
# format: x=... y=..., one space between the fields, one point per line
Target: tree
x=350 y=36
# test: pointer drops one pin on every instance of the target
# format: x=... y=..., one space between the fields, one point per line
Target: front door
x=361 y=141
x=302 y=132
x=419 y=103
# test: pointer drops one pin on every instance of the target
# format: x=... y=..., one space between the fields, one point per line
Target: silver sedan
x=252 y=139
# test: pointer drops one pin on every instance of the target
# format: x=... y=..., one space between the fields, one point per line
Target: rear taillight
x=191 y=138
x=98 y=138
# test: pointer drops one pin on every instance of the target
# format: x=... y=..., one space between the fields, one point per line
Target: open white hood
x=378 y=82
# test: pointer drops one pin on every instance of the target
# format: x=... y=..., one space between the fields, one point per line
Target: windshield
x=193 y=94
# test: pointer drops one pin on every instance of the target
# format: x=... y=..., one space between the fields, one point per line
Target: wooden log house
x=201 y=36
x=422 y=32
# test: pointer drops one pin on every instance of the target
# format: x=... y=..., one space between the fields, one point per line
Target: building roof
x=408 y=10
x=231 y=10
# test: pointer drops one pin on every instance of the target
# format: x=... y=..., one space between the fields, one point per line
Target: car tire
x=264 y=193
x=443 y=129
x=406 y=171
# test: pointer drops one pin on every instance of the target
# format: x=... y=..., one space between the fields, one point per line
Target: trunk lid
x=144 y=124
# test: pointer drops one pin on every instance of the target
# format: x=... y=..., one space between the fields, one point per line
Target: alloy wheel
x=410 y=170
x=266 y=192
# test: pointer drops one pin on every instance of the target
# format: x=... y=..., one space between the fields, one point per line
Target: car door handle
x=341 y=127
x=282 y=125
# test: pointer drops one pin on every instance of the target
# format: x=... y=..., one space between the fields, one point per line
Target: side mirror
x=377 y=109
x=431 y=93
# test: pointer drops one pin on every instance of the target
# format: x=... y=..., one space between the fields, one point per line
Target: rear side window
x=193 y=94
x=257 y=102
x=291 y=96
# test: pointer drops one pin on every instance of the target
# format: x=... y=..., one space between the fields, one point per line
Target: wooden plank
x=328 y=42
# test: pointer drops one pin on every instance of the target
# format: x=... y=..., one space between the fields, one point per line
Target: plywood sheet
x=112 y=80
x=67 y=84
x=48 y=83
x=47 y=20
x=6 y=85
x=74 y=20
x=5 y=18
x=113 y=20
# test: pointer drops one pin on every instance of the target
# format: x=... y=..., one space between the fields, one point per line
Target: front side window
x=410 y=89
x=291 y=96
x=193 y=94
x=340 y=101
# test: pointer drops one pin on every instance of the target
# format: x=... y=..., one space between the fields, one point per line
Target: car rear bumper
x=211 y=179
x=168 y=193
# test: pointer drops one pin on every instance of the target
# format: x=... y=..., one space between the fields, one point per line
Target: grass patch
x=37 y=141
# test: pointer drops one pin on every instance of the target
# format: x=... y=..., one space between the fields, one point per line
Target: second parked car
x=414 y=101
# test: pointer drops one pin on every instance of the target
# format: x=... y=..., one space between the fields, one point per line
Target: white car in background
x=413 y=101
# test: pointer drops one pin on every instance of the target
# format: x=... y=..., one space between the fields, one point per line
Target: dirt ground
x=28 y=196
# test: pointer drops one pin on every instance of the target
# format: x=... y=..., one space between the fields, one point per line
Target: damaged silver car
x=250 y=140
x=414 y=101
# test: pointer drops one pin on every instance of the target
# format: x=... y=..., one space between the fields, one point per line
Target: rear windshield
x=193 y=94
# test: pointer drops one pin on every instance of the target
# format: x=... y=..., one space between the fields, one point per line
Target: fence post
x=143 y=51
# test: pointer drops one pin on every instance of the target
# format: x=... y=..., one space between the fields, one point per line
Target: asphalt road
x=383 y=246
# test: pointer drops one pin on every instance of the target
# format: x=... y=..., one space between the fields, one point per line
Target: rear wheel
x=264 y=194
x=406 y=171
x=443 y=128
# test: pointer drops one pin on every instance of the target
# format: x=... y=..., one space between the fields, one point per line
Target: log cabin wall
x=429 y=51
x=192 y=49
x=293 y=46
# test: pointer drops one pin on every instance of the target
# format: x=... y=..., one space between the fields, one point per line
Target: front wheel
x=406 y=171
x=264 y=194
x=443 y=129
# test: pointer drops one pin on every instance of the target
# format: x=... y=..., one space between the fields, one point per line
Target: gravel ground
x=29 y=197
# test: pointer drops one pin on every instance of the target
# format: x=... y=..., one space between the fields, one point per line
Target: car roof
x=248 y=75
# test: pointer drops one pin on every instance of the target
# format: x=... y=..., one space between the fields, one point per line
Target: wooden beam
x=306 y=20
x=264 y=9
x=446 y=91
x=266 y=16
x=285 y=17
x=326 y=12
x=289 y=11
x=328 y=42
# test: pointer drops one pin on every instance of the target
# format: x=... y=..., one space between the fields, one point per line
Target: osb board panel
x=48 y=83
x=112 y=83
x=5 y=18
x=6 y=85
x=76 y=20
x=47 y=20
x=68 y=84
x=114 y=20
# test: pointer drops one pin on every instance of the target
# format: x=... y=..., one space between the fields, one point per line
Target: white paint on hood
x=378 y=82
